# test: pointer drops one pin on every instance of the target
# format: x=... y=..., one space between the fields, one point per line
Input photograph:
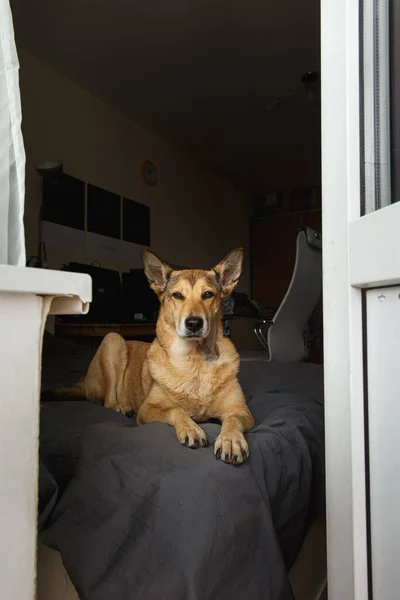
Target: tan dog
x=189 y=373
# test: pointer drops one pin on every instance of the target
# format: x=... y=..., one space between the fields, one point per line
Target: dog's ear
x=156 y=271
x=228 y=271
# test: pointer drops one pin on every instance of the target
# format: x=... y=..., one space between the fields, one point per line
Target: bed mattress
x=136 y=515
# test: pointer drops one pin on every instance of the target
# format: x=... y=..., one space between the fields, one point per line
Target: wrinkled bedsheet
x=137 y=516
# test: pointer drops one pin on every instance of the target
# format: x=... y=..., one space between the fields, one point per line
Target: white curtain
x=12 y=153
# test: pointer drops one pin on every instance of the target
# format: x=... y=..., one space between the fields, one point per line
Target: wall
x=196 y=215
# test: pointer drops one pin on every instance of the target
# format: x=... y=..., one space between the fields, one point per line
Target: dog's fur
x=184 y=377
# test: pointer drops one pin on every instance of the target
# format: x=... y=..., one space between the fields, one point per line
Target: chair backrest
x=285 y=335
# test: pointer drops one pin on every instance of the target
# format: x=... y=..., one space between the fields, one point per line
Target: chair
x=283 y=336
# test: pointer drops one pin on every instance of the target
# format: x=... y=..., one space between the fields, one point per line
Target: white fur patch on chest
x=180 y=348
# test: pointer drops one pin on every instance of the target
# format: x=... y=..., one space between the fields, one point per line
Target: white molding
x=62 y=237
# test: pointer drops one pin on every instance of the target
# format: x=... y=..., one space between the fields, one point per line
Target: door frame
x=359 y=253
x=343 y=304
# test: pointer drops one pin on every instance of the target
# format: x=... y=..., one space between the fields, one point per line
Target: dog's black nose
x=194 y=324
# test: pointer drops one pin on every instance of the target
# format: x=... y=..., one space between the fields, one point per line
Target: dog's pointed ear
x=228 y=271
x=156 y=271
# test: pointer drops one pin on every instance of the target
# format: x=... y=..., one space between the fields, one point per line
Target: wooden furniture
x=274 y=253
x=241 y=328
x=99 y=330
x=242 y=332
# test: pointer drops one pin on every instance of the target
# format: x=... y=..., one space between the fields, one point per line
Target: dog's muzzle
x=194 y=327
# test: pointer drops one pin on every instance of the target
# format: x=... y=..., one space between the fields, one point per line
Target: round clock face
x=149 y=173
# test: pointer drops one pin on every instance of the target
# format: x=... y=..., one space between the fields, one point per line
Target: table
x=99 y=330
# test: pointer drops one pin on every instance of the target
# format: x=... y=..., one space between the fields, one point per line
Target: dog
x=189 y=373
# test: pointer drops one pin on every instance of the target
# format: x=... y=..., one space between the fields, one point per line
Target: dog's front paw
x=231 y=447
x=192 y=436
x=125 y=410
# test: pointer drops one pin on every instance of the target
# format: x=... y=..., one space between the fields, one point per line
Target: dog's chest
x=195 y=383
x=201 y=414
x=197 y=393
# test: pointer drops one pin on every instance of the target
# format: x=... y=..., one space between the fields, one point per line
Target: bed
x=135 y=515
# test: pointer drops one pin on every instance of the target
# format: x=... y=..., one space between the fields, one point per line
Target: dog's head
x=191 y=299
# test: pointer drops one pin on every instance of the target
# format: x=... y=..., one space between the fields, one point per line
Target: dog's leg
x=187 y=431
x=76 y=390
x=104 y=379
x=231 y=445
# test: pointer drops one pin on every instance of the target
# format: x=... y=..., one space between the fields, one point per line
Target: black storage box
x=139 y=298
x=107 y=302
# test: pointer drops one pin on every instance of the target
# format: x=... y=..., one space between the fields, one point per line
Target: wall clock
x=148 y=172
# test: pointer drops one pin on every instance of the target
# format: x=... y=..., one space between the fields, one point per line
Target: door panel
x=361 y=257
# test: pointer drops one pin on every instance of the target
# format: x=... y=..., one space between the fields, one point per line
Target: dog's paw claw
x=127 y=412
x=232 y=448
x=193 y=437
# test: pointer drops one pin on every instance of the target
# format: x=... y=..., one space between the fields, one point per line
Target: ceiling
x=201 y=72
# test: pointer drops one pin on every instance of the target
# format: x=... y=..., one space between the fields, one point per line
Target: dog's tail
x=75 y=391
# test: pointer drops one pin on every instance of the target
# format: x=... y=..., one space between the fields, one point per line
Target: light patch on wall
x=131 y=253
x=101 y=247
x=62 y=237
x=91 y=246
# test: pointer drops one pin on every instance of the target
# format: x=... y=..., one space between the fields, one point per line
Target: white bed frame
x=307 y=576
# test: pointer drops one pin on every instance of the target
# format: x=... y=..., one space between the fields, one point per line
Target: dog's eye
x=177 y=296
x=207 y=295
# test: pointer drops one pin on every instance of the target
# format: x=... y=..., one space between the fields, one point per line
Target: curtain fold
x=12 y=153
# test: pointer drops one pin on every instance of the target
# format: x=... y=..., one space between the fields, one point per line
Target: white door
x=360 y=68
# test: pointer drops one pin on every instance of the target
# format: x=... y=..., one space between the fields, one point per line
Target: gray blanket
x=136 y=516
